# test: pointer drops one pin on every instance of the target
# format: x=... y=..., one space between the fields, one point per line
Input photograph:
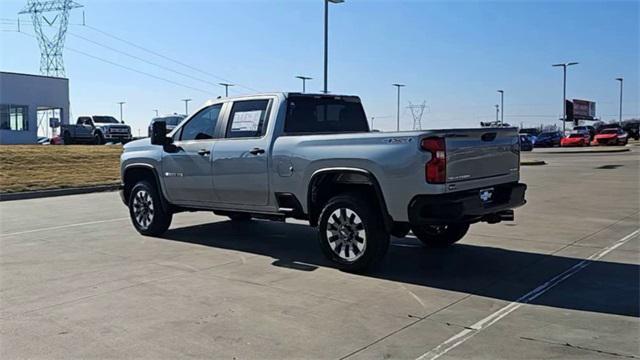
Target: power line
x=165 y=57
x=130 y=43
x=130 y=68
x=142 y=59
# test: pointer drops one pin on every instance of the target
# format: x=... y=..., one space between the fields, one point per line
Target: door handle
x=203 y=152
x=256 y=151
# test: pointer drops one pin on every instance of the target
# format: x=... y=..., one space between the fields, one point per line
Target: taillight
x=436 y=168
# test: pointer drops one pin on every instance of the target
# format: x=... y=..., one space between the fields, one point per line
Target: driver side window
x=203 y=125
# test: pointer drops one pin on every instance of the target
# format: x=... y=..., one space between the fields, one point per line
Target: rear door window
x=248 y=119
x=324 y=114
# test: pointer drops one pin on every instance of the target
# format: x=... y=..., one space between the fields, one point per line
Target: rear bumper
x=465 y=206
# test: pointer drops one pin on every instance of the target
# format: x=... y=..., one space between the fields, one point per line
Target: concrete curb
x=56 y=192
x=532 y=163
x=603 y=151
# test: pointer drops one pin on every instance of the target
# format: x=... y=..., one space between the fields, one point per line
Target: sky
x=453 y=55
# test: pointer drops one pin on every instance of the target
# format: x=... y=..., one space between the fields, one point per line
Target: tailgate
x=474 y=154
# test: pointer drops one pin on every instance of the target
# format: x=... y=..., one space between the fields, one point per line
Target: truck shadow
x=604 y=287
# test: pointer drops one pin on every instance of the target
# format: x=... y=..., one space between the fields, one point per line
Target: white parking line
x=470 y=332
x=63 y=226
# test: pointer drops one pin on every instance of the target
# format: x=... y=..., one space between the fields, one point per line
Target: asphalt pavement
x=562 y=281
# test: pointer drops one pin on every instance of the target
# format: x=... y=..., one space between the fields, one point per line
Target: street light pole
x=304 y=81
x=326 y=40
x=620 y=116
x=186 y=106
x=226 y=88
x=156 y=110
x=398 y=110
x=121 y=103
x=501 y=107
x=497 y=112
x=564 y=92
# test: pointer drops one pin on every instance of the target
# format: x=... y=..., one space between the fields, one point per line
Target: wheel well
x=326 y=185
x=133 y=175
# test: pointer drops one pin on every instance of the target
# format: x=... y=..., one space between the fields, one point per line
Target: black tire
x=66 y=137
x=400 y=230
x=363 y=236
x=239 y=216
x=159 y=220
x=98 y=139
x=439 y=236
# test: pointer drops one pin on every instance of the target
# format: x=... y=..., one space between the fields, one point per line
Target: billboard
x=583 y=110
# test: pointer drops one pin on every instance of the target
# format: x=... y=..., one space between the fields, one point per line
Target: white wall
x=33 y=91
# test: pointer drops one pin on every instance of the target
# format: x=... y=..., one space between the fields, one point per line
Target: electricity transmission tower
x=417 y=111
x=51 y=30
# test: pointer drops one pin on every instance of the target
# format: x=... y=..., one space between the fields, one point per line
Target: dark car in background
x=171 y=120
x=548 y=139
x=532 y=132
x=632 y=128
x=525 y=143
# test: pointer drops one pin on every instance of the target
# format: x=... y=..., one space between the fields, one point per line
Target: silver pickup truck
x=312 y=157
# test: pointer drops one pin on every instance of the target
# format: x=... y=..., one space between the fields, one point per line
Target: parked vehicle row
x=583 y=135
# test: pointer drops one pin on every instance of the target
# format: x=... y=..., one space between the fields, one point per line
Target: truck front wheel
x=98 y=139
x=438 y=236
x=351 y=232
x=146 y=210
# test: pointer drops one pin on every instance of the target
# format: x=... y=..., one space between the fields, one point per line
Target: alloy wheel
x=346 y=234
x=143 y=209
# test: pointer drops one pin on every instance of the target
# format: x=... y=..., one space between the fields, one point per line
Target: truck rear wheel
x=351 y=232
x=439 y=236
x=146 y=210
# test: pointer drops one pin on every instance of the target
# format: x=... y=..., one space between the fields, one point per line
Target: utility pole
x=398 y=110
x=620 y=116
x=304 y=81
x=326 y=40
x=564 y=92
x=156 y=110
x=186 y=106
x=501 y=107
x=226 y=88
x=121 y=117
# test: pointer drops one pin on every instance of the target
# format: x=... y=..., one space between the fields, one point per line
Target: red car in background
x=612 y=136
x=577 y=139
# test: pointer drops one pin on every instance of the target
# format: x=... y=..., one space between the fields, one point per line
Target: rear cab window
x=315 y=114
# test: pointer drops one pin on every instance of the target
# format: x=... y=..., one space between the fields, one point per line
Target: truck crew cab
x=312 y=157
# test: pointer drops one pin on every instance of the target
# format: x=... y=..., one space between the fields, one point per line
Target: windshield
x=576 y=136
x=173 y=120
x=609 y=131
x=547 y=134
x=105 y=119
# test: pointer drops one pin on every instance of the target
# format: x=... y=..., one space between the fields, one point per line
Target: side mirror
x=159 y=133
x=122 y=122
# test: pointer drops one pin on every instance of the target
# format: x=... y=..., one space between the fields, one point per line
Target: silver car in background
x=172 y=122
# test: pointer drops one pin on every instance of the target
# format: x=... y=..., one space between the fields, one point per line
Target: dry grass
x=37 y=167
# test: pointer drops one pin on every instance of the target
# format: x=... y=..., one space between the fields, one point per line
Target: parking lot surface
x=562 y=281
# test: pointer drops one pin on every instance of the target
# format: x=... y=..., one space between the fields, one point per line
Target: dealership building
x=29 y=102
